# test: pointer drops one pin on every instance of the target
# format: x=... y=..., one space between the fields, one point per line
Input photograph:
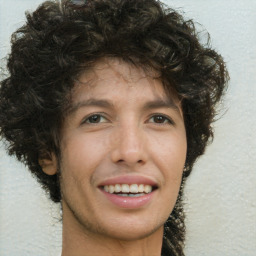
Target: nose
x=129 y=146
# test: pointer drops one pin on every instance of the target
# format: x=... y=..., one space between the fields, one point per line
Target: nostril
x=121 y=161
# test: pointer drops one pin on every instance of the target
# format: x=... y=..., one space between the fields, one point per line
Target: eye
x=160 y=119
x=95 y=119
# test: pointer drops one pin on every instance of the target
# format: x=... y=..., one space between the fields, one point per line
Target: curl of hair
x=60 y=40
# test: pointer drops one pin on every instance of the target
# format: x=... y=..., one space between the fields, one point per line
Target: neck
x=88 y=247
x=75 y=244
x=79 y=242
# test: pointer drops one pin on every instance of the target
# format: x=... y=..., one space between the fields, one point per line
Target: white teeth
x=134 y=188
x=111 y=189
x=132 y=195
x=148 y=188
x=141 y=188
x=124 y=189
x=117 y=188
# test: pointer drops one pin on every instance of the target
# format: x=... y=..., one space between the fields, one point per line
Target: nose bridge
x=129 y=144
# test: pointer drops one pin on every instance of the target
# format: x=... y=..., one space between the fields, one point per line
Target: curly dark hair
x=60 y=40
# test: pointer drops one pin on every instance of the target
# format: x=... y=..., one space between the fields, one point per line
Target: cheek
x=169 y=153
x=82 y=154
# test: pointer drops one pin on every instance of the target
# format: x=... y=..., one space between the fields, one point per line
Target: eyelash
x=100 y=115
x=165 y=119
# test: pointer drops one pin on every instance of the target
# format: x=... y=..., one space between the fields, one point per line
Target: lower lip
x=129 y=202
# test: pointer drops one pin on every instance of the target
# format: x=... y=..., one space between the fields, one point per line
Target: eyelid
x=168 y=118
x=101 y=114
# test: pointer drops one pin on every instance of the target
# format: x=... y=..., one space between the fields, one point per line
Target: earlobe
x=49 y=165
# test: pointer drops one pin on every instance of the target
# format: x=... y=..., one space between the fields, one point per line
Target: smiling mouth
x=126 y=190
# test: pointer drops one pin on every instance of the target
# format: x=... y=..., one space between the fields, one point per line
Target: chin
x=133 y=231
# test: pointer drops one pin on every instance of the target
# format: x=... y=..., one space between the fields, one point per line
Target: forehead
x=117 y=69
x=110 y=74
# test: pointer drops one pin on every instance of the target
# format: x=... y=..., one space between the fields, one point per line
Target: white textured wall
x=221 y=192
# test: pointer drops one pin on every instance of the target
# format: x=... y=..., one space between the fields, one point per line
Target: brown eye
x=94 y=119
x=160 y=119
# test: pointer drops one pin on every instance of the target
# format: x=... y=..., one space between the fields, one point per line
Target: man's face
x=121 y=138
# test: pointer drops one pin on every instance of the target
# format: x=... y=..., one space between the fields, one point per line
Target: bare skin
x=121 y=128
x=82 y=244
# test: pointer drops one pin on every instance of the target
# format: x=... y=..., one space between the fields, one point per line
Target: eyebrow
x=158 y=103
x=161 y=103
x=89 y=103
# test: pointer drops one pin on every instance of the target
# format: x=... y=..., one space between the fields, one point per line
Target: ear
x=49 y=164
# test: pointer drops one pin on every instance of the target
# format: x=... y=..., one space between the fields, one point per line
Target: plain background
x=220 y=195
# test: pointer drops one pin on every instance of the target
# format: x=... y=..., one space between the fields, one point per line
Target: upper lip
x=129 y=179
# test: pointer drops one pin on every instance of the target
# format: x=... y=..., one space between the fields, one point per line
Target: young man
x=109 y=104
